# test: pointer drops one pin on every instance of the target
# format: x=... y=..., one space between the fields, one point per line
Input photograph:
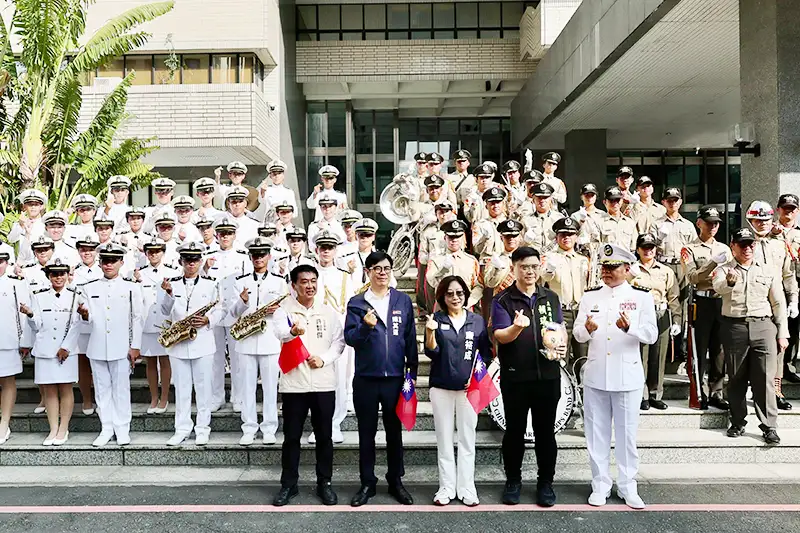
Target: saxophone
x=174 y=332
x=255 y=322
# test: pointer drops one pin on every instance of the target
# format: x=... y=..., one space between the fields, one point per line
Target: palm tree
x=40 y=100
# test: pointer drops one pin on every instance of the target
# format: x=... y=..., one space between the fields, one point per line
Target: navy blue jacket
x=451 y=361
x=379 y=352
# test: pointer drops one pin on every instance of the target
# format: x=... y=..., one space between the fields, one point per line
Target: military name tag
x=627 y=306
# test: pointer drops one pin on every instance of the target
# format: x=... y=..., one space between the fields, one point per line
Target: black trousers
x=794 y=331
x=540 y=398
x=708 y=338
x=368 y=394
x=295 y=409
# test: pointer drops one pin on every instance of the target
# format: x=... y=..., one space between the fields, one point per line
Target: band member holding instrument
x=755 y=333
x=114 y=308
x=380 y=326
x=498 y=274
x=192 y=359
x=310 y=386
x=614 y=319
x=530 y=382
x=259 y=293
x=453 y=337
x=237 y=173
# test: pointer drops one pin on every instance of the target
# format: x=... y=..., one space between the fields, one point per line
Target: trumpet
x=255 y=322
x=174 y=332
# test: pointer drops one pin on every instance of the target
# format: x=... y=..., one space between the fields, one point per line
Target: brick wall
x=462 y=59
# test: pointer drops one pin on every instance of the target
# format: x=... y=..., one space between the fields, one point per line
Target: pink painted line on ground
x=111 y=509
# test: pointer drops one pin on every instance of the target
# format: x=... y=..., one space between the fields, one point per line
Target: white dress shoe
x=151 y=410
x=102 y=439
x=161 y=410
x=39 y=410
x=598 y=499
x=268 y=438
x=176 y=439
x=634 y=501
x=123 y=440
x=48 y=441
x=337 y=437
x=237 y=408
x=312 y=439
x=216 y=407
x=89 y=412
x=201 y=440
x=247 y=439
x=61 y=442
x=5 y=437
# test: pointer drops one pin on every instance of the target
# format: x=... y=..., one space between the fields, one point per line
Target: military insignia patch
x=608 y=250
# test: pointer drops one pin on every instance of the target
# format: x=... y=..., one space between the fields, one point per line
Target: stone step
x=656 y=446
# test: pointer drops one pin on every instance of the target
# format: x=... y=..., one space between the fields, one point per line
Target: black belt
x=749 y=318
x=669 y=260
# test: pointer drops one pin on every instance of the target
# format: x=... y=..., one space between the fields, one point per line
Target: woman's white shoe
x=48 y=441
x=7 y=436
x=88 y=412
x=61 y=442
x=39 y=410
x=161 y=410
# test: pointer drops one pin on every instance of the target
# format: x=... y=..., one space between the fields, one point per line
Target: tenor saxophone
x=174 y=332
x=255 y=322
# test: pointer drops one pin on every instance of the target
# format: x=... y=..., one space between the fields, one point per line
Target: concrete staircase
x=676 y=436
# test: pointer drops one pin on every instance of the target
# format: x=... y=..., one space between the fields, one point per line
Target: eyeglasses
x=454 y=294
x=529 y=268
x=381 y=269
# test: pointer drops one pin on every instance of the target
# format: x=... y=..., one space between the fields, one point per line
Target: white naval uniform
x=248 y=229
x=190 y=232
x=151 y=279
x=152 y=212
x=192 y=360
x=332 y=226
x=75 y=232
x=35 y=276
x=116 y=213
x=17 y=333
x=54 y=315
x=258 y=352
x=613 y=379
x=116 y=316
x=84 y=274
x=67 y=253
x=17 y=235
x=313 y=203
x=335 y=287
x=134 y=242
x=275 y=194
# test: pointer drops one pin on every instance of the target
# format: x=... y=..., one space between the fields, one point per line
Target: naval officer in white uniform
x=614 y=319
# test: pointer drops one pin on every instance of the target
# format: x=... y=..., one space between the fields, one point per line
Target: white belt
x=706 y=294
x=661 y=307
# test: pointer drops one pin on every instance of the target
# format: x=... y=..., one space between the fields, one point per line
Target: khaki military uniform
x=460 y=184
x=560 y=194
x=566 y=273
x=663 y=286
x=539 y=230
x=528 y=209
x=645 y=214
x=791 y=238
x=486 y=241
x=431 y=243
x=697 y=268
x=620 y=230
x=474 y=206
x=499 y=278
x=460 y=264
x=754 y=311
x=672 y=237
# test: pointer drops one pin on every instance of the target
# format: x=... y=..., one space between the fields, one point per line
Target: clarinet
x=130 y=326
x=16 y=309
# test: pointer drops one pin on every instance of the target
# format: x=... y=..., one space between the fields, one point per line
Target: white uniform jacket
x=17 y=332
x=34 y=276
x=83 y=275
x=151 y=279
x=274 y=195
x=75 y=232
x=189 y=295
x=263 y=288
x=116 y=316
x=615 y=362
x=67 y=253
x=53 y=323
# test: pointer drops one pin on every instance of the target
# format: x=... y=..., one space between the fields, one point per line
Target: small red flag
x=407 y=404
x=481 y=390
x=293 y=354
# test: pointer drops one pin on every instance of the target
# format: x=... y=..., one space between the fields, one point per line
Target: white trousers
x=344 y=386
x=448 y=404
x=188 y=373
x=224 y=343
x=600 y=409
x=250 y=365
x=112 y=391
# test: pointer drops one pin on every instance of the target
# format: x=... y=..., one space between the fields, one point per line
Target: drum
x=566 y=403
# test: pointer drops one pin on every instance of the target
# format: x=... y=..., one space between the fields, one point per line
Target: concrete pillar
x=769 y=38
x=584 y=162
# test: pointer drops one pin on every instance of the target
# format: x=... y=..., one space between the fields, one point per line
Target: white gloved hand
x=674 y=330
x=635 y=270
x=663 y=231
x=530 y=235
x=794 y=311
x=498 y=262
x=448 y=262
x=720 y=258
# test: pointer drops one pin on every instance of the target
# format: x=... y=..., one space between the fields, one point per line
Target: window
x=374 y=17
x=143 y=66
x=328 y=17
x=444 y=16
x=246 y=71
x=421 y=16
x=113 y=69
x=352 y=17
x=223 y=69
x=306 y=18
x=176 y=69
x=398 y=16
x=490 y=15
x=163 y=74
x=195 y=69
x=466 y=15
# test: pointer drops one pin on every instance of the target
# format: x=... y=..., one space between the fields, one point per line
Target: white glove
x=498 y=261
x=550 y=266
x=663 y=231
x=674 y=330
x=720 y=258
x=635 y=270
x=530 y=235
x=448 y=262
x=794 y=311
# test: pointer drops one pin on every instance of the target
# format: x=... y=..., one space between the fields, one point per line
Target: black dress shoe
x=645 y=405
x=362 y=496
x=401 y=494
x=704 y=404
x=326 y=494
x=783 y=405
x=735 y=431
x=511 y=493
x=545 y=495
x=658 y=404
x=719 y=403
x=285 y=495
x=771 y=436
x=790 y=376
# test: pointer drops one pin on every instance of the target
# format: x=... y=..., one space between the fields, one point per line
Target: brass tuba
x=174 y=332
x=255 y=322
x=399 y=201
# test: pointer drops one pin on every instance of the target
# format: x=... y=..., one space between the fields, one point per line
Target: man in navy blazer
x=380 y=327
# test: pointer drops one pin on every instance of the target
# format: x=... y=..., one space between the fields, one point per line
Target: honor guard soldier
x=272 y=192
x=672 y=231
x=485 y=239
x=589 y=217
x=617 y=228
x=432 y=243
x=43 y=249
x=566 y=273
x=345 y=253
x=85 y=205
x=298 y=255
x=133 y=236
x=615 y=319
x=164 y=189
x=786 y=228
x=434 y=162
x=116 y=201
x=646 y=210
x=550 y=162
x=435 y=191
x=455 y=262
x=773 y=253
x=55 y=223
x=530 y=179
x=421 y=165
x=754 y=316
x=198 y=298
x=663 y=286
x=236 y=205
x=328 y=205
x=30 y=226
x=114 y=309
x=472 y=199
x=498 y=274
x=365 y=229
x=510 y=179
x=205 y=188
x=461 y=180
x=699 y=259
x=185 y=229
x=258 y=292
x=624 y=182
x=328 y=175
x=539 y=226
x=237 y=173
